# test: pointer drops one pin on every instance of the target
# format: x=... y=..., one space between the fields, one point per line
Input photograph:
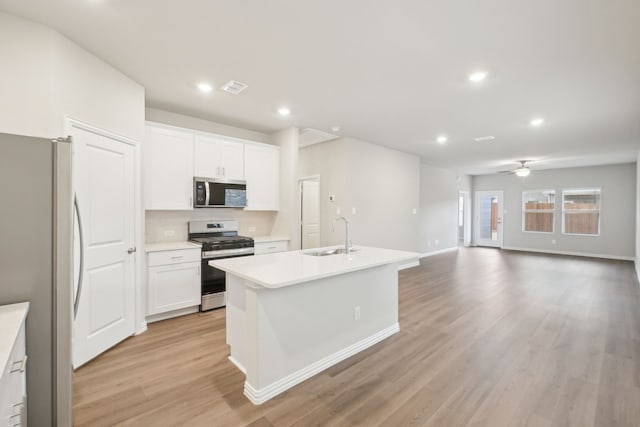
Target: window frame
x=552 y=211
x=599 y=210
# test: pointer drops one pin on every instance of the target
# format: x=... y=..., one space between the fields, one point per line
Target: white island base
x=281 y=334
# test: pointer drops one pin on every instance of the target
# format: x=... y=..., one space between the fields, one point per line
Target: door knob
x=131 y=250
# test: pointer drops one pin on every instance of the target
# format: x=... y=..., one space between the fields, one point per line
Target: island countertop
x=282 y=269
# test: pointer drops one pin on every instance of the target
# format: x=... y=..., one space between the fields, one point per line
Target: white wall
x=329 y=160
x=637 y=218
x=438 y=209
x=382 y=185
x=45 y=77
x=180 y=120
x=25 y=78
x=287 y=221
x=618 y=208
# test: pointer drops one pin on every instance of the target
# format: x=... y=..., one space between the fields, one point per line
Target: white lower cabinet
x=271 y=247
x=13 y=377
x=173 y=280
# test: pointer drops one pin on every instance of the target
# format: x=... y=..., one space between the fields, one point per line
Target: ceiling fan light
x=523 y=171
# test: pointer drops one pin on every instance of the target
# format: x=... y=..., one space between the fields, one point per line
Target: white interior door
x=104 y=186
x=310 y=200
x=489 y=212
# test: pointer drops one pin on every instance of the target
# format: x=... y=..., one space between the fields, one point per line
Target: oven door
x=214 y=284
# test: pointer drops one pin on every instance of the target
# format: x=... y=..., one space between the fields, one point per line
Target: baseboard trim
x=259 y=396
x=142 y=327
x=582 y=254
x=238 y=365
x=172 y=313
x=438 y=252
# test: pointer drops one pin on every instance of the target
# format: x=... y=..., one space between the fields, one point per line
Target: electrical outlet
x=169 y=233
x=252 y=229
x=353 y=211
x=356 y=312
x=553 y=241
x=338 y=210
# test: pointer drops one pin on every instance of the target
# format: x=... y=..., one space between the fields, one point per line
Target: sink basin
x=328 y=252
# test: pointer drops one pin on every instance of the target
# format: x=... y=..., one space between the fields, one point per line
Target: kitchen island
x=291 y=315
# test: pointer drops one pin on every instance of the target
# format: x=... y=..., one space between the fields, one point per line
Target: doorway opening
x=464 y=219
x=310 y=212
x=488 y=224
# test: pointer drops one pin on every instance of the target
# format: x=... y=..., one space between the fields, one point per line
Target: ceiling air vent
x=484 y=138
x=234 y=87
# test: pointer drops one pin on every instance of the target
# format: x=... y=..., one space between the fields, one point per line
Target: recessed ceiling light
x=477 y=76
x=284 y=111
x=441 y=139
x=538 y=121
x=335 y=128
x=205 y=87
x=484 y=138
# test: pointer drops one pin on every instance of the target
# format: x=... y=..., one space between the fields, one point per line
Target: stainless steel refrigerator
x=36 y=265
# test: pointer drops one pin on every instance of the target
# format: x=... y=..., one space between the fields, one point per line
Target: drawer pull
x=272 y=247
x=176 y=257
x=20 y=365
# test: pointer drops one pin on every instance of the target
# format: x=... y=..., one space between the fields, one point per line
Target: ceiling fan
x=522 y=171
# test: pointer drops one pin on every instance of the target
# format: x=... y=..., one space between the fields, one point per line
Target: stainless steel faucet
x=347 y=242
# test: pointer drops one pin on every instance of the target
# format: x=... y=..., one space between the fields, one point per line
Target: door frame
x=300 y=180
x=466 y=212
x=500 y=225
x=138 y=222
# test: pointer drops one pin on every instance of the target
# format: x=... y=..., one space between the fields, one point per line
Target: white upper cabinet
x=168 y=169
x=262 y=172
x=215 y=157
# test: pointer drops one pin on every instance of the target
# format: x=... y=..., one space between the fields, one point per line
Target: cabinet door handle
x=20 y=365
x=224 y=171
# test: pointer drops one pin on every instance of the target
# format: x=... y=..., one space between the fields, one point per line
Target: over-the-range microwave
x=217 y=193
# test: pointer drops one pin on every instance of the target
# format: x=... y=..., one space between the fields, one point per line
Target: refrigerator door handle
x=76 y=302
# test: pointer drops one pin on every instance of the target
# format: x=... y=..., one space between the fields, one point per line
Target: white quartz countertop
x=281 y=269
x=11 y=317
x=170 y=246
x=265 y=239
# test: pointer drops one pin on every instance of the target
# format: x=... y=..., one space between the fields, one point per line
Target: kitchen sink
x=328 y=252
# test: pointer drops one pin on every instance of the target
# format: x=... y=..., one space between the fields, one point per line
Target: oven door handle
x=225 y=254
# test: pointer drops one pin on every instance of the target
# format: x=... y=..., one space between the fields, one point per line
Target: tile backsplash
x=171 y=226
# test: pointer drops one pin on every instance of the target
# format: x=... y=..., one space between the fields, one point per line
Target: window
x=581 y=211
x=537 y=210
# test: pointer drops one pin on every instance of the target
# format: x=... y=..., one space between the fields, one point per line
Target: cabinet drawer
x=271 y=247
x=174 y=257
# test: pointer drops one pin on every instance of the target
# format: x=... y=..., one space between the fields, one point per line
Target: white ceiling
x=389 y=72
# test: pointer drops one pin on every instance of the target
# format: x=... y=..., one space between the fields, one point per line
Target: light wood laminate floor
x=487 y=338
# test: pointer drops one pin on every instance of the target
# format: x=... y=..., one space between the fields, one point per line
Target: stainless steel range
x=219 y=240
